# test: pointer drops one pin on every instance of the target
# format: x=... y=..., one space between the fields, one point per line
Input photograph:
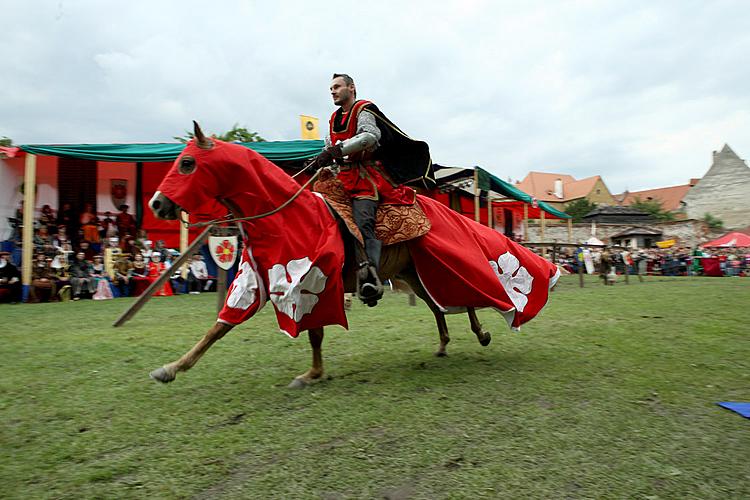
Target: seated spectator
x=123 y=268
x=61 y=277
x=178 y=282
x=42 y=280
x=80 y=276
x=139 y=275
x=88 y=252
x=128 y=246
x=145 y=248
x=101 y=279
x=198 y=278
x=10 y=280
x=155 y=269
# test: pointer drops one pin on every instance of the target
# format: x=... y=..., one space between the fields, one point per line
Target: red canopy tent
x=733 y=239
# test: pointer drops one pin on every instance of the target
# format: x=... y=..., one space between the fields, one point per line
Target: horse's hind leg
x=413 y=280
x=167 y=373
x=316 y=371
x=483 y=336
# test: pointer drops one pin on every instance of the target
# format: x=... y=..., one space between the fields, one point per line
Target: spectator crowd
x=82 y=256
x=678 y=261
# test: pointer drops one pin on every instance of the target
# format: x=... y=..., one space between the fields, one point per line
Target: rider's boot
x=370 y=287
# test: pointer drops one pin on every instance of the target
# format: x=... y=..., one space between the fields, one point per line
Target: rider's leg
x=364 y=211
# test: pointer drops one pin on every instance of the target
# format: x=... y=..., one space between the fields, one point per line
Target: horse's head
x=193 y=180
x=211 y=175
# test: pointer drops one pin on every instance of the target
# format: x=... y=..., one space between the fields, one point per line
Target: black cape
x=406 y=160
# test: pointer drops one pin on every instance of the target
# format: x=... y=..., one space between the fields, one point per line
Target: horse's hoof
x=298 y=383
x=485 y=341
x=441 y=354
x=161 y=375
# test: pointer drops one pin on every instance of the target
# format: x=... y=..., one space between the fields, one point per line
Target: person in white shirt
x=198 y=277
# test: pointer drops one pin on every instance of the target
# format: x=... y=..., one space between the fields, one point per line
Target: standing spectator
x=80 y=276
x=17 y=224
x=198 y=278
x=89 y=224
x=47 y=218
x=42 y=280
x=109 y=227
x=10 y=278
x=125 y=221
x=66 y=217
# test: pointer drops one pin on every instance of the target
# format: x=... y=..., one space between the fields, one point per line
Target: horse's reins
x=225 y=219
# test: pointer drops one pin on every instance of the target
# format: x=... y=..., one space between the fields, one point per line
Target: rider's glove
x=325 y=158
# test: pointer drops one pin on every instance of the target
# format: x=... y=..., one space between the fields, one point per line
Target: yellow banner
x=309 y=126
x=665 y=243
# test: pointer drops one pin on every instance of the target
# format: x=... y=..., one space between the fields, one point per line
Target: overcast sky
x=639 y=92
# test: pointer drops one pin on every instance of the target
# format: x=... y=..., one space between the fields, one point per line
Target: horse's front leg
x=316 y=371
x=167 y=373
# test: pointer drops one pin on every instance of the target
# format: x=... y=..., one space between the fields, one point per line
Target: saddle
x=394 y=223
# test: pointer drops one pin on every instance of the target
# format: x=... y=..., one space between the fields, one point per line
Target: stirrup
x=369 y=287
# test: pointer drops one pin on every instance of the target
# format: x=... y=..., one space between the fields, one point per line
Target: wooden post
x=525 y=222
x=29 y=200
x=221 y=288
x=184 y=236
x=153 y=287
x=476 y=194
x=581 y=263
x=489 y=212
x=412 y=299
x=570 y=230
x=542 y=224
x=554 y=252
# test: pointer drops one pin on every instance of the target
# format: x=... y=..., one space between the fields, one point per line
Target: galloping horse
x=307 y=292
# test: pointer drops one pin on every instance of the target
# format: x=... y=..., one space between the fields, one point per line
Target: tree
x=6 y=142
x=578 y=208
x=237 y=133
x=652 y=207
x=713 y=222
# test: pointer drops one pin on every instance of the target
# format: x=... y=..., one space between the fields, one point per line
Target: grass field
x=609 y=393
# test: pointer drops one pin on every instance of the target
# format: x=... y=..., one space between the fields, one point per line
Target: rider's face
x=341 y=92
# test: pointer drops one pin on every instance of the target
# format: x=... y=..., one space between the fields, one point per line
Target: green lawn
x=609 y=393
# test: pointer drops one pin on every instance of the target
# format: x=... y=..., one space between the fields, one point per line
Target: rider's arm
x=368 y=135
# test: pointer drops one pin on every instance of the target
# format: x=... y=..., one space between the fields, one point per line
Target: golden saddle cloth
x=393 y=224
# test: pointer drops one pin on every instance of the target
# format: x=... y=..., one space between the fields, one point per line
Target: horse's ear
x=201 y=140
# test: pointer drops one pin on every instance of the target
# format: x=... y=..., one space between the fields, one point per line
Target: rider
x=374 y=158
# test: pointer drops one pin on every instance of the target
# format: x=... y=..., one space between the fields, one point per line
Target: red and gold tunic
x=362 y=176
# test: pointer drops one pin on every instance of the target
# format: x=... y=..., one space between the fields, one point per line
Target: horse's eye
x=187 y=165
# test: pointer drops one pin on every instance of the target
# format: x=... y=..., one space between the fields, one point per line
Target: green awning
x=273 y=150
x=488 y=182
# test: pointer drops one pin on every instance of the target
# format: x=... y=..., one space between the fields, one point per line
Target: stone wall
x=723 y=192
x=687 y=232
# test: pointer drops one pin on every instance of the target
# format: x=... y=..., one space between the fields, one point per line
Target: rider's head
x=343 y=91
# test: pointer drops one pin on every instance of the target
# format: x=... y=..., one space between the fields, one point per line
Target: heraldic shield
x=223 y=250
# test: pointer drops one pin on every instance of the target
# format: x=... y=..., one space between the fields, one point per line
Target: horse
x=212 y=176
